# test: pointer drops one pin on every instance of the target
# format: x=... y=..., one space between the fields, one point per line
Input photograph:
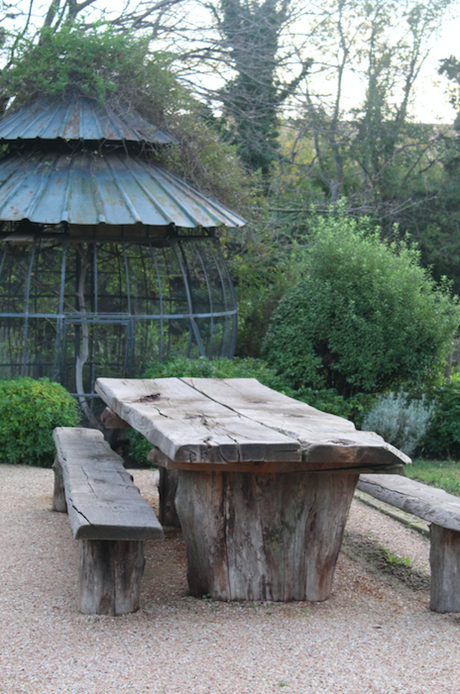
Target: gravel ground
x=375 y=634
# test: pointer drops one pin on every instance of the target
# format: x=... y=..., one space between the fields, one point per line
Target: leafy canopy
x=364 y=317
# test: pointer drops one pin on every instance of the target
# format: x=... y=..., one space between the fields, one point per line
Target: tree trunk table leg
x=167 y=488
x=445 y=569
x=110 y=576
x=59 y=500
x=263 y=536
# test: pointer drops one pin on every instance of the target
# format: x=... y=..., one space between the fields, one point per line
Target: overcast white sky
x=431 y=102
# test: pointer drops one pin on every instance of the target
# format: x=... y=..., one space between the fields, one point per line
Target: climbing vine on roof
x=122 y=71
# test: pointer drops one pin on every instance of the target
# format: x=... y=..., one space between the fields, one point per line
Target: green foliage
x=97 y=63
x=119 y=69
x=29 y=411
x=444 y=474
x=365 y=317
x=443 y=435
x=401 y=422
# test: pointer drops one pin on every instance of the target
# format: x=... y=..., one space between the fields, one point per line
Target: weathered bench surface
x=237 y=424
x=102 y=501
x=433 y=505
x=264 y=482
x=442 y=511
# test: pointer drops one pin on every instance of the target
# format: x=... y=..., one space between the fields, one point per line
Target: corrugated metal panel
x=78 y=118
x=87 y=189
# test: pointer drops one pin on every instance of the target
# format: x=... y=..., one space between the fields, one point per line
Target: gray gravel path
x=375 y=634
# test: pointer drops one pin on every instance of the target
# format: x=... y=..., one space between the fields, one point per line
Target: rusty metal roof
x=79 y=118
x=113 y=188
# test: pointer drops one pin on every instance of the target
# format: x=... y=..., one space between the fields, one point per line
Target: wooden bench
x=442 y=511
x=109 y=518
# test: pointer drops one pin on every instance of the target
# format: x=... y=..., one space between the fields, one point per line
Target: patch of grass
x=444 y=474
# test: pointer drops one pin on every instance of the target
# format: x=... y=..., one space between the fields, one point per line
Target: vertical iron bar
x=193 y=324
x=160 y=290
x=26 y=312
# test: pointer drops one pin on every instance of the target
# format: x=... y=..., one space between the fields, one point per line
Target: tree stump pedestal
x=271 y=536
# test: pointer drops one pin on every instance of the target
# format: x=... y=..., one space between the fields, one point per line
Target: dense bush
x=365 y=317
x=401 y=422
x=29 y=411
x=443 y=436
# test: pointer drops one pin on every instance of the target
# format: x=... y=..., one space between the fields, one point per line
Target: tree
x=373 y=152
x=365 y=316
x=250 y=36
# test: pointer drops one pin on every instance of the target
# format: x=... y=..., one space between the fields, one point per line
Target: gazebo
x=108 y=262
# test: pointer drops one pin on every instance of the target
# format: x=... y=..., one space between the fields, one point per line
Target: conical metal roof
x=114 y=188
x=75 y=117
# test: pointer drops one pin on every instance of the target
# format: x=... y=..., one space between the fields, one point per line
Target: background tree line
x=268 y=80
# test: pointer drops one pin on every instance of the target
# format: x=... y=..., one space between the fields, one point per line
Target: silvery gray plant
x=401 y=422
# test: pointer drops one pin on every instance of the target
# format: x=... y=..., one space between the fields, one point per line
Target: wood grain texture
x=110 y=576
x=112 y=421
x=324 y=438
x=167 y=488
x=59 y=501
x=188 y=426
x=445 y=569
x=263 y=537
x=239 y=421
x=102 y=501
x=433 y=505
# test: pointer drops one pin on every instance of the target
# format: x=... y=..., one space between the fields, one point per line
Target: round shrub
x=365 y=317
x=401 y=422
x=29 y=411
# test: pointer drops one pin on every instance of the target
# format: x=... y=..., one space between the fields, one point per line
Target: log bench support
x=442 y=511
x=109 y=518
x=263 y=536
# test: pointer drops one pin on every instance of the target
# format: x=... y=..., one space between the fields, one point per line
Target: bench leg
x=445 y=569
x=167 y=488
x=110 y=576
x=59 y=500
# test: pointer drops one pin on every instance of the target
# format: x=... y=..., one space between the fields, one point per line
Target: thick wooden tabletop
x=239 y=424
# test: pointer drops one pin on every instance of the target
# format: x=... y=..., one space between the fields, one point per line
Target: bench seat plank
x=433 y=505
x=102 y=501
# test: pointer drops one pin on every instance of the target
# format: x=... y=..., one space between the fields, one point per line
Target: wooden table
x=265 y=481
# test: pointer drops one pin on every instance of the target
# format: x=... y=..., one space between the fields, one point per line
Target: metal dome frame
x=107 y=262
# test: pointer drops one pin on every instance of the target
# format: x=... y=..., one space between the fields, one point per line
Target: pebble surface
x=374 y=635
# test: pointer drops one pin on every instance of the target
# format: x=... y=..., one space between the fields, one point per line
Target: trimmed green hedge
x=29 y=411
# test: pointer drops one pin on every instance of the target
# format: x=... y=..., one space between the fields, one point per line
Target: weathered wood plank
x=102 y=501
x=110 y=576
x=323 y=437
x=187 y=426
x=112 y=421
x=236 y=421
x=263 y=537
x=167 y=488
x=445 y=569
x=433 y=505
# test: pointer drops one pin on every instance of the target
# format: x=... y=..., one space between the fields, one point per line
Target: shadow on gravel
x=378 y=560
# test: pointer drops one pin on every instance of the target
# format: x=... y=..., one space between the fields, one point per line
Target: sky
x=431 y=102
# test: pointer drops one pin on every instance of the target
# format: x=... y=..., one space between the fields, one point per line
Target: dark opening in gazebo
x=107 y=261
